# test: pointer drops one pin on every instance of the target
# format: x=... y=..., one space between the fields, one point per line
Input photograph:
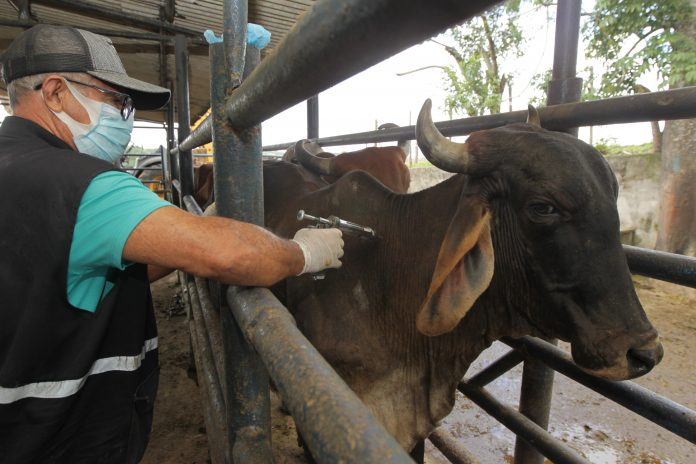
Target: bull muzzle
x=635 y=361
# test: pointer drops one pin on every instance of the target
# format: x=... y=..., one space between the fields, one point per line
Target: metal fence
x=241 y=336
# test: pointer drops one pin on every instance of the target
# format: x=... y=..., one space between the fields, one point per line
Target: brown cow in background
x=386 y=164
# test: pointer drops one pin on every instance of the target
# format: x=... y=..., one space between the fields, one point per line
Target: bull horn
x=322 y=166
x=533 y=116
x=403 y=144
x=442 y=152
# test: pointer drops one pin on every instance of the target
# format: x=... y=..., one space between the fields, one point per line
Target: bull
x=523 y=240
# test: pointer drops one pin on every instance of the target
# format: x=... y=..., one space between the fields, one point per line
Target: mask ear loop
x=93 y=109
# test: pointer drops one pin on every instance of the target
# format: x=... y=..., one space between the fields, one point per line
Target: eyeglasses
x=121 y=99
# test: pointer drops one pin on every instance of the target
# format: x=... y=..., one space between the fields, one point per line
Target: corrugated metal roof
x=141 y=58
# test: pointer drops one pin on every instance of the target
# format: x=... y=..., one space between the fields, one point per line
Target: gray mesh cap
x=45 y=49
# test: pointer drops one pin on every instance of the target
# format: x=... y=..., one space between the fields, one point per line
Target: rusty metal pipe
x=651 y=106
x=239 y=195
x=669 y=267
x=522 y=426
x=335 y=424
x=191 y=205
x=451 y=447
x=662 y=411
x=496 y=369
x=213 y=330
x=211 y=395
x=363 y=33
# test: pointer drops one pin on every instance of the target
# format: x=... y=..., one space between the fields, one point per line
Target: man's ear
x=53 y=89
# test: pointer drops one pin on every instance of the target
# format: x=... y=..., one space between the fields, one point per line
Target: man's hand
x=321 y=248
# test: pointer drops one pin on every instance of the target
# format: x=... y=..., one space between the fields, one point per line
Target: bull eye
x=543 y=210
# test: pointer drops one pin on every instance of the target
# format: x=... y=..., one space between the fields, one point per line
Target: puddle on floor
x=598 y=429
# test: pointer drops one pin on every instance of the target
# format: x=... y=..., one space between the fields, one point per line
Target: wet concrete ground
x=600 y=430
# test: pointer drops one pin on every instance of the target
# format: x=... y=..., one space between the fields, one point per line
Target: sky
x=379 y=95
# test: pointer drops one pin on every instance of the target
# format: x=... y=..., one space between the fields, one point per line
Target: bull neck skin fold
x=387 y=327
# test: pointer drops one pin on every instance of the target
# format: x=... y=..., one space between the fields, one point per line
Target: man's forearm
x=155 y=273
x=234 y=252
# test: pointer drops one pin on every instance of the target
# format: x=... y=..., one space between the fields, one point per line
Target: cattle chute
x=259 y=98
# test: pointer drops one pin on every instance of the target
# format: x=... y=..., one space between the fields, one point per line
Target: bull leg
x=418 y=452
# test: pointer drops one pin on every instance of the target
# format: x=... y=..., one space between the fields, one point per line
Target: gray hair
x=20 y=87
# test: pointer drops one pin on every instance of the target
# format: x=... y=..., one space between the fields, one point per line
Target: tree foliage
x=483 y=46
x=476 y=83
x=639 y=36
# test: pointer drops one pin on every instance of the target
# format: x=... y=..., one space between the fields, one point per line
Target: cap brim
x=145 y=96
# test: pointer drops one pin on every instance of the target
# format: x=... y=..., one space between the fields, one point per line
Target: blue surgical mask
x=106 y=136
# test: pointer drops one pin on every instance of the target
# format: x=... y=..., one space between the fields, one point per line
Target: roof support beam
x=116 y=16
x=196 y=43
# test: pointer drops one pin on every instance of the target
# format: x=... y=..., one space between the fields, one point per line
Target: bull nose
x=642 y=360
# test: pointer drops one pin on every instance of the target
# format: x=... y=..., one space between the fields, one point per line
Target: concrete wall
x=639 y=195
x=422 y=178
x=638 y=202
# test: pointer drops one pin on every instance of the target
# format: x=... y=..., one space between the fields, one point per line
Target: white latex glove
x=322 y=248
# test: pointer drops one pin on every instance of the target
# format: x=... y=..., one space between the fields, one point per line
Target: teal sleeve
x=111 y=207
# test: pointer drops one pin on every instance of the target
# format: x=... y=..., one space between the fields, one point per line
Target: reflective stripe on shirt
x=65 y=388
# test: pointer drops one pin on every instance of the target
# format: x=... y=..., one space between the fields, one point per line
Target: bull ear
x=533 y=116
x=463 y=271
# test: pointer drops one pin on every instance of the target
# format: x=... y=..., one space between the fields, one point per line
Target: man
x=78 y=240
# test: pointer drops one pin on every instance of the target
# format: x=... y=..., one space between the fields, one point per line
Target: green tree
x=478 y=80
x=636 y=37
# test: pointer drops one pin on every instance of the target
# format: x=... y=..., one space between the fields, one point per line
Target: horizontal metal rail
x=199 y=136
x=522 y=426
x=451 y=447
x=333 y=421
x=496 y=369
x=289 y=76
x=651 y=106
x=660 y=410
x=678 y=269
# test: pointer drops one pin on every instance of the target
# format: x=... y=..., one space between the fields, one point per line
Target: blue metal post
x=239 y=195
